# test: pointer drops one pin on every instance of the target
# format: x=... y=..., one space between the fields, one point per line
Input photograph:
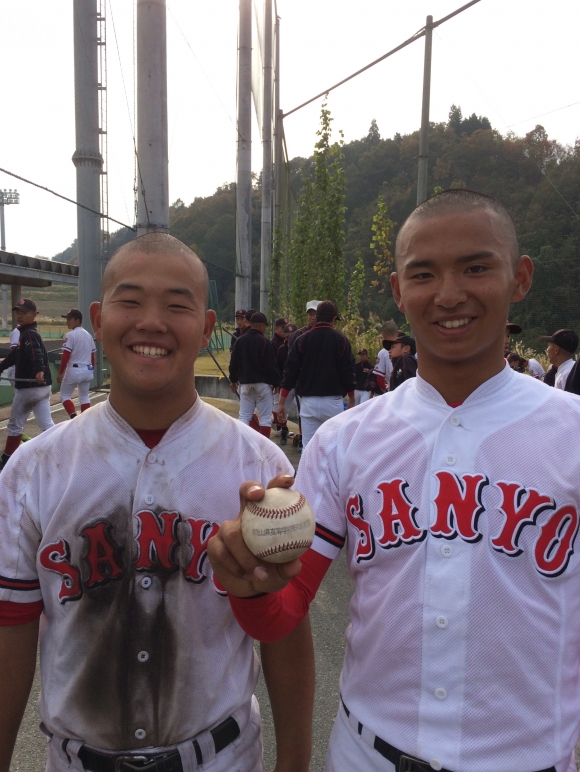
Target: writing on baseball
x=266 y=537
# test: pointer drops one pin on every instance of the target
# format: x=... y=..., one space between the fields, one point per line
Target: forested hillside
x=534 y=176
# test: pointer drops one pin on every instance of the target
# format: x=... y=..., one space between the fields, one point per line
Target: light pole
x=6 y=197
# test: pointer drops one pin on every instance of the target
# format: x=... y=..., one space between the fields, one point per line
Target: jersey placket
x=445 y=606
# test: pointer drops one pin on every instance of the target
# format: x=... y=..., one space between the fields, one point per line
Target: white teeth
x=455 y=323
x=150 y=351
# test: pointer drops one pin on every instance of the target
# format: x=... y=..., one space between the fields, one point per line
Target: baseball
x=280 y=527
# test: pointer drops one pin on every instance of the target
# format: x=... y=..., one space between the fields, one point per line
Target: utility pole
x=152 y=149
x=244 y=175
x=6 y=197
x=278 y=160
x=88 y=159
x=266 y=250
x=424 y=135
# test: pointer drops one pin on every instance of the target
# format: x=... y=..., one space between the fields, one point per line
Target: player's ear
x=523 y=278
x=397 y=292
x=210 y=319
x=95 y=313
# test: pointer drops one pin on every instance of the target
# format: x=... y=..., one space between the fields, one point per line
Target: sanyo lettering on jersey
x=457 y=510
x=155 y=549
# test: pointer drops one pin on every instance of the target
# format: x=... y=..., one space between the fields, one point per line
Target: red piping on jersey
x=269 y=618
x=64 y=361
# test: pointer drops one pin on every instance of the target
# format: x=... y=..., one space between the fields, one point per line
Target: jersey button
x=152 y=458
x=441 y=622
x=150 y=498
x=455 y=421
x=146 y=582
x=441 y=693
x=143 y=656
x=447 y=550
x=450 y=459
x=435 y=764
x=140 y=734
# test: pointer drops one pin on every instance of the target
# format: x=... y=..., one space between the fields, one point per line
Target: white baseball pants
x=255 y=396
x=243 y=755
x=74 y=378
x=34 y=400
x=314 y=411
x=361 y=396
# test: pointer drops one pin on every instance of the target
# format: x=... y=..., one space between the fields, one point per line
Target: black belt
x=93 y=761
x=402 y=761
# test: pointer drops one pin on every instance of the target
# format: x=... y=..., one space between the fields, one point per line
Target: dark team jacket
x=281 y=357
x=253 y=360
x=235 y=335
x=550 y=376
x=295 y=335
x=277 y=342
x=573 y=380
x=29 y=356
x=362 y=370
x=320 y=364
x=404 y=367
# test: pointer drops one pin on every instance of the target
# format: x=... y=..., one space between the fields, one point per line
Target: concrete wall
x=219 y=388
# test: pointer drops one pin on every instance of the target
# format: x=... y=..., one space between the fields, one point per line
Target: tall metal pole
x=244 y=176
x=152 y=149
x=87 y=159
x=424 y=136
x=278 y=161
x=2 y=226
x=266 y=250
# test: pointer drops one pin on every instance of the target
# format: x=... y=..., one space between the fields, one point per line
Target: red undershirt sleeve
x=284 y=392
x=12 y=614
x=382 y=384
x=269 y=618
x=93 y=359
x=64 y=361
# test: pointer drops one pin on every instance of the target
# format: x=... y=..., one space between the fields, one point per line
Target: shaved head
x=461 y=201
x=162 y=245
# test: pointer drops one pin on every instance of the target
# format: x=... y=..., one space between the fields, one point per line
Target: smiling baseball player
x=77 y=364
x=463 y=651
x=104 y=529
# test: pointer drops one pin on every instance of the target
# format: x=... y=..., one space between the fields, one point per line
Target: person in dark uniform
x=254 y=373
x=311 y=307
x=240 y=327
x=278 y=338
x=362 y=369
x=281 y=357
x=402 y=354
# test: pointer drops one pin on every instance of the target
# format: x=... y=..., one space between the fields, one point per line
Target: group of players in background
x=313 y=367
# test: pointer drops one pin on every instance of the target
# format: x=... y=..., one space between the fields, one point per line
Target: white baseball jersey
x=139 y=647
x=383 y=365
x=563 y=373
x=81 y=345
x=535 y=369
x=14 y=340
x=464 y=642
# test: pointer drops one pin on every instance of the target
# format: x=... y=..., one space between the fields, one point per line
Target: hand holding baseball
x=237 y=570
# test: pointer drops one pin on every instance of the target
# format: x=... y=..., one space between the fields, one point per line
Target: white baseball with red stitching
x=280 y=527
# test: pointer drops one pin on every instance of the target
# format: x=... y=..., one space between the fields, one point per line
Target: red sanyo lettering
x=365 y=543
x=519 y=512
x=157 y=541
x=103 y=556
x=398 y=516
x=555 y=545
x=56 y=557
x=458 y=506
x=201 y=533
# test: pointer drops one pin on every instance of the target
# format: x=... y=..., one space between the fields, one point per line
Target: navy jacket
x=320 y=364
x=30 y=357
x=253 y=360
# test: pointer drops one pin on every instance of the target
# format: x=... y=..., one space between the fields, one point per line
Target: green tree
x=382 y=229
x=317 y=240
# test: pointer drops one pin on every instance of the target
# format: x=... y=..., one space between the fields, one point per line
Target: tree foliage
x=382 y=229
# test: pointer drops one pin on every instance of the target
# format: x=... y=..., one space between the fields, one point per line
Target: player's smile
x=150 y=351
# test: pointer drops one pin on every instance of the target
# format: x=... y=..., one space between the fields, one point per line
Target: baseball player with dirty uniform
x=463 y=651
x=103 y=538
x=77 y=364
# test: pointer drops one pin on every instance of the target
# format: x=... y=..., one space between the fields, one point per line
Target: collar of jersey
x=487 y=391
x=174 y=430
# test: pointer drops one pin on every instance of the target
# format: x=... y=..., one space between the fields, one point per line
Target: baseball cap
x=280 y=322
x=250 y=313
x=566 y=339
x=513 y=328
x=407 y=340
x=240 y=312
x=327 y=310
x=290 y=328
x=259 y=318
x=74 y=313
x=312 y=305
x=363 y=351
x=26 y=304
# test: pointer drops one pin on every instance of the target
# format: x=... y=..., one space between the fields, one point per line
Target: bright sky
x=515 y=62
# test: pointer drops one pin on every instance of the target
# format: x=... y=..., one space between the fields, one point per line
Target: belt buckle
x=410 y=764
x=120 y=761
